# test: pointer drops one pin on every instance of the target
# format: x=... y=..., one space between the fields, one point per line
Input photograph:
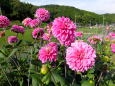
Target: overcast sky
x=97 y=6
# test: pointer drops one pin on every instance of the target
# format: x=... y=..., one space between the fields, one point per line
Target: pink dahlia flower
x=112 y=34
x=38 y=33
x=4 y=22
x=48 y=52
x=18 y=29
x=34 y=23
x=94 y=39
x=42 y=14
x=113 y=47
x=26 y=21
x=80 y=56
x=78 y=34
x=46 y=36
x=64 y=30
x=12 y=39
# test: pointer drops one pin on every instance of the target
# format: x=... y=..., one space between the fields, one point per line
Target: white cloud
x=98 y=6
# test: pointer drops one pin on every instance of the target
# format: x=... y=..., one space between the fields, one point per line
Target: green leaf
x=36 y=80
x=13 y=52
x=47 y=78
x=58 y=79
x=87 y=83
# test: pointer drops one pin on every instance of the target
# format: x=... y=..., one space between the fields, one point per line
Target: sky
x=97 y=6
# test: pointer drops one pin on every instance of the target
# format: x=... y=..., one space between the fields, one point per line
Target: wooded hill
x=16 y=10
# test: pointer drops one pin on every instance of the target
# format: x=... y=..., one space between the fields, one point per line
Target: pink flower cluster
x=78 y=34
x=46 y=36
x=80 y=56
x=63 y=29
x=38 y=33
x=18 y=29
x=94 y=39
x=48 y=52
x=12 y=39
x=42 y=14
x=26 y=21
x=34 y=23
x=110 y=36
x=4 y=22
x=113 y=47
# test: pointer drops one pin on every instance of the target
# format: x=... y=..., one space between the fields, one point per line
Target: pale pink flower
x=48 y=53
x=42 y=14
x=12 y=39
x=18 y=29
x=113 y=47
x=94 y=39
x=80 y=56
x=26 y=21
x=4 y=22
x=34 y=23
x=63 y=29
x=46 y=36
x=49 y=28
x=78 y=34
x=38 y=33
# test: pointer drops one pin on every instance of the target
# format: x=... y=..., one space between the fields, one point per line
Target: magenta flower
x=78 y=34
x=26 y=21
x=48 y=52
x=63 y=29
x=18 y=29
x=42 y=14
x=80 y=56
x=94 y=39
x=38 y=33
x=113 y=47
x=46 y=36
x=4 y=22
x=34 y=23
x=12 y=39
x=112 y=35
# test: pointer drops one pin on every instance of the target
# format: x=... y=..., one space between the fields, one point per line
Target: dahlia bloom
x=63 y=29
x=26 y=21
x=46 y=36
x=37 y=33
x=113 y=47
x=94 y=39
x=78 y=34
x=18 y=29
x=12 y=39
x=4 y=22
x=34 y=23
x=112 y=35
x=48 y=52
x=80 y=56
x=42 y=14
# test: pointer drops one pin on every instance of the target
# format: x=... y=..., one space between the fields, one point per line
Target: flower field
x=37 y=52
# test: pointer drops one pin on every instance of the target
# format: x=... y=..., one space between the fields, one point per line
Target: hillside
x=17 y=10
x=111 y=17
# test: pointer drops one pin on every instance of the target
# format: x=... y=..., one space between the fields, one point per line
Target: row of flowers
x=80 y=56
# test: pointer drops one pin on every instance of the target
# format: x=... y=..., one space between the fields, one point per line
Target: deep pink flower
x=42 y=14
x=94 y=39
x=38 y=33
x=46 y=36
x=26 y=21
x=4 y=22
x=48 y=52
x=113 y=47
x=112 y=34
x=12 y=39
x=64 y=30
x=78 y=34
x=80 y=56
x=34 y=23
x=18 y=29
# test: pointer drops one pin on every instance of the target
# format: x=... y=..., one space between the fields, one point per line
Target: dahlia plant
x=55 y=56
